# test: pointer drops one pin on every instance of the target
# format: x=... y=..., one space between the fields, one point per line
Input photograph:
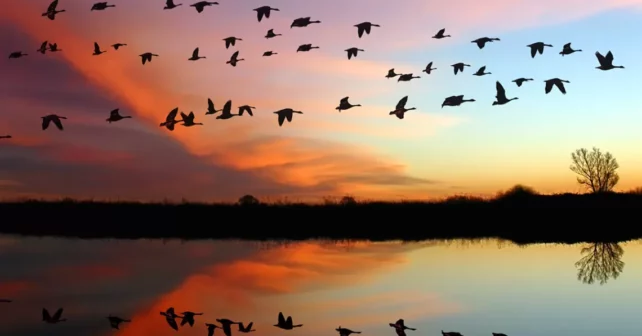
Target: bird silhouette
x=346 y=332
x=286 y=114
x=606 y=63
x=188 y=316
x=227 y=111
x=188 y=119
x=306 y=47
x=114 y=116
x=284 y=323
x=234 y=59
x=264 y=11
x=451 y=333
x=115 y=321
x=440 y=34
x=5 y=300
x=51 y=10
x=211 y=328
x=454 y=101
x=169 y=4
x=118 y=45
x=400 y=327
x=406 y=77
x=246 y=108
x=56 y=318
x=501 y=95
x=481 y=42
x=170 y=315
x=521 y=80
x=353 y=52
x=210 y=107
x=538 y=47
x=43 y=48
x=53 y=47
x=559 y=83
x=365 y=27
x=392 y=73
x=52 y=118
x=146 y=57
x=200 y=6
x=481 y=72
x=302 y=22
x=226 y=325
x=270 y=34
x=567 y=49
x=459 y=67
x=401 y=109
x=5 y=137
x=498 y=334
x=269 y=53
x=195 y=56
x=169 y=123
x=345 y=105
x=17 y=54
x=428 y=68
x=246 y=329
x=97 y=50
x=101 y=6
x=231 y=41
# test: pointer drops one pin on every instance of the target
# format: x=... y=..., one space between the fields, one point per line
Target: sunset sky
x=474 y=149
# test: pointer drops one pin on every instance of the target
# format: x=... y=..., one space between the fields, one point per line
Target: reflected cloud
x=600 y=262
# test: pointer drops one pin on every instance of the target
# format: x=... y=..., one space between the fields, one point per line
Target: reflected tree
x=600 y=262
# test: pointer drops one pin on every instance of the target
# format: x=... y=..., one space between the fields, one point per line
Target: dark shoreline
x=522 y=219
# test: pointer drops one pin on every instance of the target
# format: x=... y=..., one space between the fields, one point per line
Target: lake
x=473 y=287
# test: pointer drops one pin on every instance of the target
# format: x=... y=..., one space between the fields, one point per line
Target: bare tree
x=596 y=170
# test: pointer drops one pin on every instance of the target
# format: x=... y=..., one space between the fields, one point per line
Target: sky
x=474 y=288
x=474 y=149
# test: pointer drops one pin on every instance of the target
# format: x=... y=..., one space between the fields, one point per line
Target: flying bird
x=481 y=42
x=227 y=111
x=246 y=329
x=195 y=56
x=501 y=95
x=264 y=11
x=345 y=105
x=52 y=118
x=400 y=327
x=428 y=68
x=283 y=323
x=115 y=321
x=114 y=116
x=188 y=316
x=353 y=52
x=392 y=73
x=606 y=63
x=234 y=59
x=118 y=45
x=440 y=34
x=451 y=333
x=210 y=328
x=170 y=315
x=5 y=137
x=559 y=83
x=51 y=10
x=17 y=54
x=202 y=4
x=365 y=27
x=53 y=47
x=231 y=41
x=306 y=47
x=537 y=47
x=169 y=123
x=269 y=53
x=454 y=101
x=56 y=316
x=401 y=109
x=210 y=107
x=97 y=50
x=246 y=108
x=188 y=121
x=459 y=67
x=481 y=72
x=5 y=300
x=169 y=4
x=521 y=80
x=567 y=49
x=283 y=115
x=226 y=325
x=147 y=57
x=271 y=34
x=406 y=77
x=101 y=6
x=302 y=22
x=346 y=332
x=43 y=48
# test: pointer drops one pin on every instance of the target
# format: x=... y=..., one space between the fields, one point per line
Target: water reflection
x=600 y=262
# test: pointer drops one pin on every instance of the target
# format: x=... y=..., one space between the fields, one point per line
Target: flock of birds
x=188 y=317
x=263 y=12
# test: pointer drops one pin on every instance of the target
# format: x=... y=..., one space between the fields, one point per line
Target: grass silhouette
x=519 y=214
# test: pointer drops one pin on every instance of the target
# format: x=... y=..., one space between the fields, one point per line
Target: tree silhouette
x=596 y=170
x=601 y=262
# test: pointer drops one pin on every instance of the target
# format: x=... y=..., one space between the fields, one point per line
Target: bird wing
x=609 y=56
x=45 y=312
x=533 y=50
x=400 y=331
x=600 y=58
x=270 y=31
x=114 y=113
x=195 y=53
x=567 y=46
x=540 y=49
x=235 y=55
x=281 y=120
x=281 y=318
x=171 y=116
x=58 y=124
x=482 y=69
x=210 y=105
x=429 y=66
x=52 y=6
x=560 y=86
x=210 y=329
x=441 y=31
x=45 y=123
x=344 y=101
x=480 y=43
x=191 y=115
x=227 y=109
x=143 y=58
x=259 y=14
x=171 y=321
x=43 y=45
x=501 y=93
x=169 y=3
x=548 y=87
x=455 y=68
x=249 y=326
x=96 y=47
x=402 y=103
x=184 y=116
x=58 y=313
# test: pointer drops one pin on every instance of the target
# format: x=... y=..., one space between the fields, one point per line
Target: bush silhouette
x=517 y=191
x=249 y=200
x=348 y=200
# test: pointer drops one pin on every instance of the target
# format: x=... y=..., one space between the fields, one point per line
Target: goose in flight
x=283 y=115
x=115 y=321
x=188 y=119
x=6 y=300
x=451 y=333
x=169 y=123
x=606 y=62
x=147 y=57
x=169 y=4
x=440 y=34
x=188 y=316
x=353 y=52
x=391 y=73
x=246 y=329
x=226 y=325
x=211 y=328
x=97 y=50
x=5 y=137
x=567 y=50
x=500 y=100
x=114 y=116
x=401 y=109
x=302 y=22
x=306 y=47
x=269 y=53
x=234 y=59
x=481 y=72
x=118 y=45
x=17 y=54
x=428 y=68
x=264 y=11
x=195 y=56
x=559 y=83
x=400 y=327
x=246 y=108
x=43 y=48
x=453 y=101
x=521 y=80
x=52 y=319
x=283 y=323
x=231 y=41
x=481 y=42
x=226 y=113
x=52 y=118
x=101 y=6
x=271 y=34
x=170 y=315
x=498 y=334
x=202 y=4
x=51 y=10
x=346 y=331
x=365 y=27
x=345 y=105
x=210 y=107
x=537 y=47
x=53 y=47
x=406 y=77
x=459 y=67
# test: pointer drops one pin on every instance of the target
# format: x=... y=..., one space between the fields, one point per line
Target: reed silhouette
x=600 y=262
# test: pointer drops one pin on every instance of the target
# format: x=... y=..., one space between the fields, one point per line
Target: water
x=472 y=287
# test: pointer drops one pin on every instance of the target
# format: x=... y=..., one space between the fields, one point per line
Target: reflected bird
x=200 y=6
x=188 y=318
x=345 y=105
x=170 y=315
x=210 y=107
x=169 y=123
x=246 y=329
x=521 y=80
x=440 y=34
x=346 y=332
x=52 y=118
x=606 y=63
x=115 y=321
x=559 y=83
x=114 y=116
x=51 y=10
x=283 y=323
x=567 y=50
x=537 y=47
x=303 y=22
x=264 y=11
x=271 y=34
x=401 y=109
x=52 y=319
x=454 y=101
x=501 y=95
x=365 y=27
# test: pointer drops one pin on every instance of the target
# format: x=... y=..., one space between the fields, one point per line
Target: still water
x=472 y=287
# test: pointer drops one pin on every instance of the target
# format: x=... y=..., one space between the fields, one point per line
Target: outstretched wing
x=58 y=313
x=567 y=46
x=501 y=93
x=402 y=103
x=600 y=58
x=171 y=116
x=52 y=6
x=227 y=109
x=195 y=53
x=58 y=124
x=609 y=56
x=560 y=86
x=114 y=113
x=441 y=31
x=533 y=51
x=172 y=323
x=184 y=116
x=210 y=105
x=259 y=14
x=344 y=101
x=482 y=69
x=235 y=55
x=548 y=87
x=45 y=312
x=96 y=47
x=281 y=318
